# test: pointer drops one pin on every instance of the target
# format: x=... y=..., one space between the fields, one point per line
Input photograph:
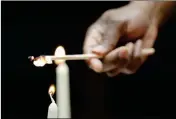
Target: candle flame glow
x=59 y=52
x=39 y=62
x=52 y=90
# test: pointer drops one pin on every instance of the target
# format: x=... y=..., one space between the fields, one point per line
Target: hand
x=125 y=24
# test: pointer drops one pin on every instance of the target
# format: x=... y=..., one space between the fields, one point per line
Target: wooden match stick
x=48 y=58
x=147 y=51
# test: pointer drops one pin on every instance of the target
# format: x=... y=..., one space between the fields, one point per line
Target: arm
x=161 y=10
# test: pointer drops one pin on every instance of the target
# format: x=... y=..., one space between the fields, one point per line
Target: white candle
x=62 y=86
x=63 y=96
x=52 y=109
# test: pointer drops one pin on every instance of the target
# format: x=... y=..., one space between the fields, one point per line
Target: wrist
x=162 y=12
x=147 y=8
x=143 y=5
x=159 y=12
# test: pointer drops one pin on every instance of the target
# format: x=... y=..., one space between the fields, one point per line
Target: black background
x=35 y=28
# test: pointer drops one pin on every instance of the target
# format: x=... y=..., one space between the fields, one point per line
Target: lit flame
x=59 y=52
x=48 y=60
x=39 y=62
x=31 y=58
x=52 y=90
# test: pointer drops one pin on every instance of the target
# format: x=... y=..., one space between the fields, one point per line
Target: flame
x=39 y=62
x=31 y=58
x=48 y=60
x=52 y=90
x=59 y=52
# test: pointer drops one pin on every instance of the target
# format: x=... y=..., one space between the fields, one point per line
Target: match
x=146 y=51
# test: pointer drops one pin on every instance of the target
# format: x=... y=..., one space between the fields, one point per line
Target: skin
x=135 y=25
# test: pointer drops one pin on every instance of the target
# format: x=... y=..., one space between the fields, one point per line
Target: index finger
x=94 y=38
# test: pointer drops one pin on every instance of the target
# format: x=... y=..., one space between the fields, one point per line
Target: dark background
x=35 y=28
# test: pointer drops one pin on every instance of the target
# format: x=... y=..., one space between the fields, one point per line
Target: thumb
x=110 y=37
x=150 y=38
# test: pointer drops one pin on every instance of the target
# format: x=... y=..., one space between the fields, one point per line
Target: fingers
x=147 y=42
x=121 y=60
x=93 y=38
x=138 y=49
x=95 y=64
x=130 y=47
x=113 y=31
x=135 y=59
x=128 y=63
x=108 y=43
x=150 y=37
x=113 y=72
x=115 y=59
x=100 y=39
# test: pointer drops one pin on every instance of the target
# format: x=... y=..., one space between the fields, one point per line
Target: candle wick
x=52 y=100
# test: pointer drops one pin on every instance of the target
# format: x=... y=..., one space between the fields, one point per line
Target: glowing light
x=52 y=90
x=39 y=62
x=59 y=52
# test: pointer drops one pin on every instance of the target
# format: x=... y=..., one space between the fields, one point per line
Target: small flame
x=59 y=52
x=31 y=58
x=39 y=62
x=48 y=60
x=52 y=90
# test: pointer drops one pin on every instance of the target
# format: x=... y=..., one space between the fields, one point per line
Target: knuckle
x=94 y=28
x=107 y=13
x=89 y=29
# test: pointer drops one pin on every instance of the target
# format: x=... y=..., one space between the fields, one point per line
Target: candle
x=62 y=109
x=62 y=86
x=52 y=109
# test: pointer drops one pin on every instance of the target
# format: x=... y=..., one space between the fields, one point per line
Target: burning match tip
x=31 y=57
